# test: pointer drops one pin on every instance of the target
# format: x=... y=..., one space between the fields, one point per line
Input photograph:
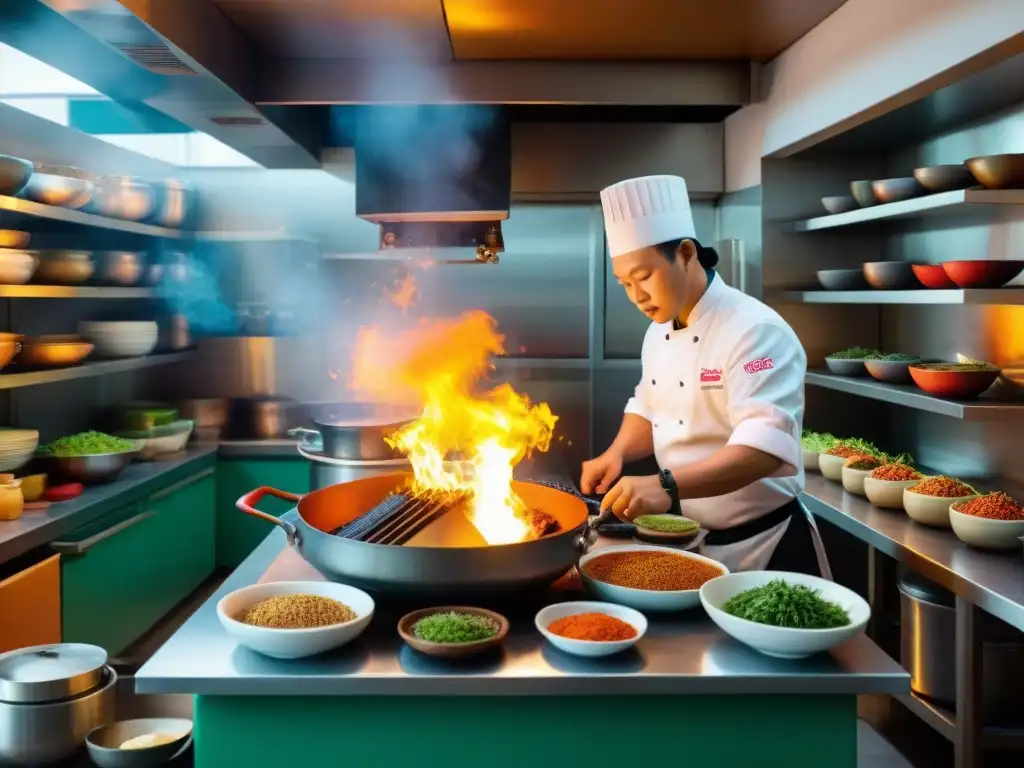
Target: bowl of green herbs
x=90 y=458
x=814 y=444
x=850 y=362
x=782 y=614
x=452 y=632
x=891 y=369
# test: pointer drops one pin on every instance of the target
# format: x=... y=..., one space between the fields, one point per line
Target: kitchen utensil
x=121 y=267
x=589 y=648
x=890 y=371
x=895 y=190
x=294 y=643
x=982 y=273
x=831 y=467
x=842 y=279
x=262 y=417
x=944 y=178
x=32 y=487
x=63 y=191
x=984 y=532
x=12 y=238
x=53 y=351
x=10 y=345
x=121 y=339
x=451 y=650
x=928 y=642
x=952 y=384
x=863 y=194
x=890 y=275
x=95 y=469
x=14 y=174
x=104 y=744
x=176 y=203
x=44 y=673
x=930 y=510
x=43 y=733
x=839 y=203
x=853 y=480
x=145 y=416
x=16 y=267
x=159 y=441
x=998 y=171
x=64 y=267
x=124 y=197
x=643 y=599
x=355 y=431
x=783 y=642
x=435 y=568
x=207 y=413
x=845 y=366
x=886 y=494
x=932 y=276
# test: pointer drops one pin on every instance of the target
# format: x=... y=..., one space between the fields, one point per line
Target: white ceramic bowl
x=127 y=339
x=643 y=599
x=853 y=480
x=811 y=461
x=930 y=510
x=887 y=494
x=590 y=648
x=831 y=467
x=985 y=533
x=783 y=642
x=16 y=267
x=294 y=643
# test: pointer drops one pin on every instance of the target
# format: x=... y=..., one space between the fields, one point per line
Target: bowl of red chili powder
x=928 y=501
x=591 y=629
x=992 y=521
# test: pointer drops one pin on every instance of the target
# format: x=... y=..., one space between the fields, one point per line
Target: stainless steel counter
x=34 y=529
x=992 y=581
x=683 y=654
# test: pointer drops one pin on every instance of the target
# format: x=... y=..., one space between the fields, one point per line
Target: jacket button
x=655 y=426
x=680 y=422
x=680 y=383
x=695 y=339
x=653 y=382
x=666 y=337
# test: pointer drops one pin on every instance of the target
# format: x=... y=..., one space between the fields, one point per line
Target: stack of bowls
x=16 y=264
x=121 y=339
x=17 y=446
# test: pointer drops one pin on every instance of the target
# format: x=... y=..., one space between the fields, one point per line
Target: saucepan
x=413 y=569
x=354 y=431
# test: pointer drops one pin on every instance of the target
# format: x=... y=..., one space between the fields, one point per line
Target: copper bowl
x=10 y=345
x=998 y=171
x=53 y=351
x=65 y=267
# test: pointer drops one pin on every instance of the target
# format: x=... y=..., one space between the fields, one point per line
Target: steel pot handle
x=249 y=501
x=307 y=435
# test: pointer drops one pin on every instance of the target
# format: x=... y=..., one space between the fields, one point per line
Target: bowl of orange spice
x=928 y=501
x=885 y=485
x=591 y=629
x=992 y=521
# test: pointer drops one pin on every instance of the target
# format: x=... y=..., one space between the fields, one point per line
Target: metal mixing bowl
x=64 y=191
x=96 y=469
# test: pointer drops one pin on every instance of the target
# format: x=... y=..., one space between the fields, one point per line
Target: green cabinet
x=238 y=534
x=123 y=573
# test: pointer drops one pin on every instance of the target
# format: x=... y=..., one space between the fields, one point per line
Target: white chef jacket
x=733 y=376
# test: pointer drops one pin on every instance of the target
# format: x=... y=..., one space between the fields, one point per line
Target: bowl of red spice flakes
x=591 y=629
x=928 y=501
x=885 y=485
x=856 y=469
x=992 y=521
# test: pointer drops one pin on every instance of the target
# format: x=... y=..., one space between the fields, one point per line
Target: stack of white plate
x=17 y=446
x=121 y=339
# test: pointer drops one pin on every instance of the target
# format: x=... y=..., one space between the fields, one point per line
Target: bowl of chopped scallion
x=90 y=458
x=787 y=615
x=453 y=632
x=814 y=444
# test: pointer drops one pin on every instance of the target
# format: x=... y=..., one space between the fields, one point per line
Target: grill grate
x=400 y=517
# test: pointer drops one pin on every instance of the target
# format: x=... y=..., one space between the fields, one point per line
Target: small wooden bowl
x=451 y=650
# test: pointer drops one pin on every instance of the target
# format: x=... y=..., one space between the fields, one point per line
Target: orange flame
x=404 y=293
x=440 y=364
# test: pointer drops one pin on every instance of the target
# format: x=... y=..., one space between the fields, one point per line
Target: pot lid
x=41 y=665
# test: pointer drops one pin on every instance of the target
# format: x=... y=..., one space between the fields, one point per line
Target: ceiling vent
x=156 y=58
x=238 y=121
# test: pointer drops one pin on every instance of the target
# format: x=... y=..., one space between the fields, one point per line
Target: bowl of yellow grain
x=294 y=619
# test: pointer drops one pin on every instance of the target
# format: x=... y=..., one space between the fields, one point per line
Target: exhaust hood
x=434 y=176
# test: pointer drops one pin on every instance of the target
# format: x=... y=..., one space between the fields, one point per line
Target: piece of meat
x=541 y=523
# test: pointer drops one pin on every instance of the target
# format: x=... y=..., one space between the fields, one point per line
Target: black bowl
x=891 y=275
x=842 y=279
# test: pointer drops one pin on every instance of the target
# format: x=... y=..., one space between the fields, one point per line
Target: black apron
x=795 y=551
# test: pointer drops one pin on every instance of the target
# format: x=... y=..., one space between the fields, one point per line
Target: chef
x=721 y=398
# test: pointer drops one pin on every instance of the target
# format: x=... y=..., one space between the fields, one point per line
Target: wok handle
x=249 y=501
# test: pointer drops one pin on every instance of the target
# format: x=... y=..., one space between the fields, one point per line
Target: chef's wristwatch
x=668 y=482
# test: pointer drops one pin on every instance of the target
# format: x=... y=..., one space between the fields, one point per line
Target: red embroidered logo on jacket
x=755 y=366
x=710 y=374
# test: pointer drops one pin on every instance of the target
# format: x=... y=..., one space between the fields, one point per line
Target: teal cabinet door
x=126 y=571
x=238 y=534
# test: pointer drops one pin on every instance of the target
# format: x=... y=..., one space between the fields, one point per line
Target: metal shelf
x=944 y=723
x=88 y=370
x=912 y=397
x=73 y=292
x=69 y=216
x=944 y=203
x=994 y=296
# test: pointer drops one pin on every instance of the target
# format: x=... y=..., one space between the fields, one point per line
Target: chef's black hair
x=708 y=257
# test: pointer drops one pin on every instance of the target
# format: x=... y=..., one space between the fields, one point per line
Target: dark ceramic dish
x=861 y=191
x=897 y=190
x=998 y=171
x=843 y=279
x=944 y=178
x=890 y=275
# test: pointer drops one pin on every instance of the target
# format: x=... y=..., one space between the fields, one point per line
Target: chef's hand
x=635 y=496
x=599 y=474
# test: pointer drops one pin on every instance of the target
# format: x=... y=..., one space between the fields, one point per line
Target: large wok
x=426 y=569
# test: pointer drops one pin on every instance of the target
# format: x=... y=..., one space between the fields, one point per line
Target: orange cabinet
x=30 y=606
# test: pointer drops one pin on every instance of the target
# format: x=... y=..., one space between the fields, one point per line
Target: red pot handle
x=249 y=501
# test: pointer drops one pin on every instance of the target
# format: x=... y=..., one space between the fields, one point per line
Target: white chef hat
x=646 y=211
